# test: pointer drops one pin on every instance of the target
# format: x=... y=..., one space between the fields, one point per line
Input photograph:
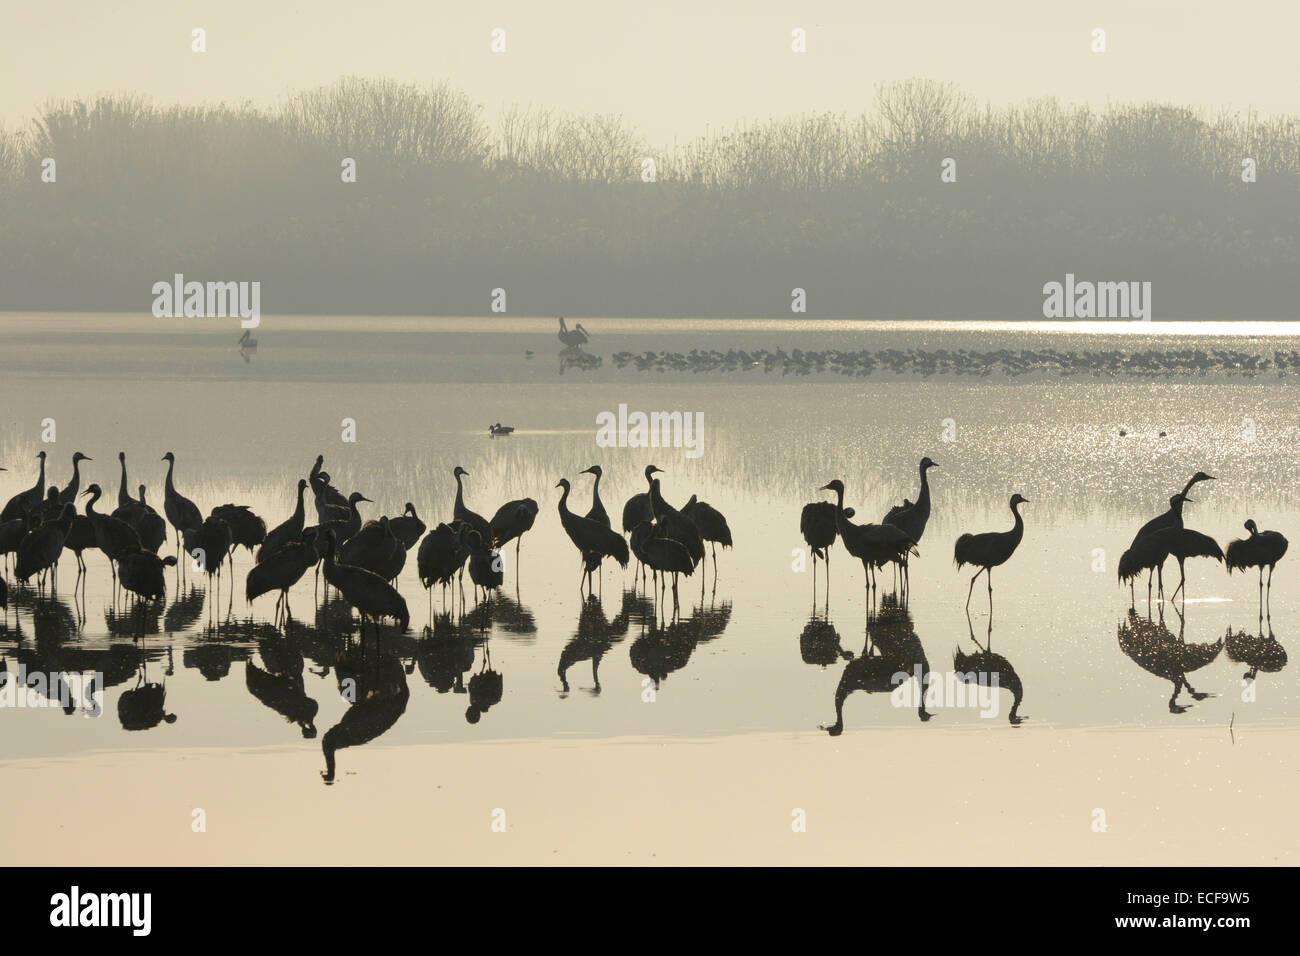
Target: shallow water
x=750 y=648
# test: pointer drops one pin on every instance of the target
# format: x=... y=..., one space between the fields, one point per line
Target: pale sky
x=670 y=67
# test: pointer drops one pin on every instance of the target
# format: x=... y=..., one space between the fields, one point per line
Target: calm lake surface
x=750 y=648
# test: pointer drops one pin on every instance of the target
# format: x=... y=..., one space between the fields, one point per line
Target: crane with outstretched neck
x=990 y=549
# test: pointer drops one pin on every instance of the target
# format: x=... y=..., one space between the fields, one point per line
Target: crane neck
x=123 y=496
x=298 y=511
x=923 y=498
x=460 y=495
x=90 y=505
x=171 y=488
x=40 y=481
x=564 y=499
x=1018 y=529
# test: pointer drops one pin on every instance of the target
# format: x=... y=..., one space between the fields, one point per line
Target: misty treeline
x=449 y=205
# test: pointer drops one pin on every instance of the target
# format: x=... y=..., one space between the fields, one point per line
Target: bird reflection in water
x=663 y=648
x=485 y=688
x=892 y=648
x=445 y=653
x=989 y=669
x=53 y=621
x=593 y=639
x=1256 y=651
x=1154 y=648
x=144 y=706
x=376 y=689
x=819 y=641
x=279 y=682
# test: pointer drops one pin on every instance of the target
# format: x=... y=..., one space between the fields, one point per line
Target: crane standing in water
x=1263 y=549
x=990 y=549
x=872 y=544
x=593 y=539
x=911 y=518
x=183 y=514
x=1152 y=549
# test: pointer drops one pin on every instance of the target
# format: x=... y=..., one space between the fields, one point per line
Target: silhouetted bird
x=597 y=510
x=872 y=544
x=211 y=540
x=246 y=529
x=371 y=595
x=149 y=525
x=990 y=549
x=183 y=514
x=141 y=572
x=912 y=517
x=572 y=337
x=486 y=569
x=676 y=524
x=113 y=536
x=376 y=549
x=282 y=570
x=1263 y=549
x=442 y=553
x=462 y=514
x=29 y=500
x=817 y=525
x=407 y=527
x=69 y=492
x=711 y=524
x=286 y=532
x=638 y=507
x=40 y=550
x=512 y=520
x=660 y=553
x=590 y=537
x=1151 y=550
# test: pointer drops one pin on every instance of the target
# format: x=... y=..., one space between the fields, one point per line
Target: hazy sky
x=669 y=66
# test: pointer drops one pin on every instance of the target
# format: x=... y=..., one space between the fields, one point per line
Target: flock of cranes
x=899 y=532
x=895 y=539
x=362 y=560
x=1165 y=536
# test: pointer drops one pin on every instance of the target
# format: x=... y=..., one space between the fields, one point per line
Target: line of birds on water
x=362 y=560
x=896 y=537
x=924 y=362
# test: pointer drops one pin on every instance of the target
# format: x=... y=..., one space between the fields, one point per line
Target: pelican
x=572 y=338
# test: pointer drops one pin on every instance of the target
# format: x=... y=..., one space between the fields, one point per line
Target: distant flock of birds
x=363 y=559
x=1011 y=362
